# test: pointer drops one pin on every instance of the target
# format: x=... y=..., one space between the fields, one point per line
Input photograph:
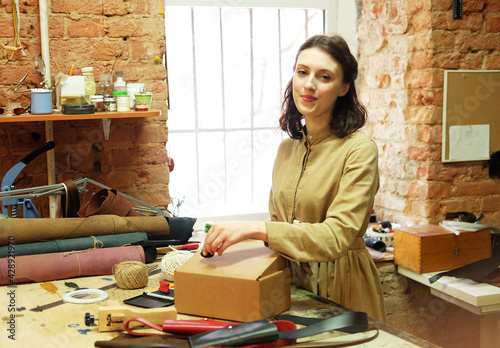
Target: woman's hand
x=224 y=234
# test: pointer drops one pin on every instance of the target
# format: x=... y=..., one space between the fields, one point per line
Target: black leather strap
x=262 y=331
x=244 y=334
x=351 y=322
x=297 y=319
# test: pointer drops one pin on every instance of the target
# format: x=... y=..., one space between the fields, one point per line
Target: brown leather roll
x=18 y=231
x=70 y=201
x=104 y=202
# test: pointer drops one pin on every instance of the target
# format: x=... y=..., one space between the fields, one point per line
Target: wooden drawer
x=432 y=248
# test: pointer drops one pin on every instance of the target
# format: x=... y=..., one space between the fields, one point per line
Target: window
x=228 y=64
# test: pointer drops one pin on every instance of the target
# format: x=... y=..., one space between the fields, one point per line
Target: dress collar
x=316 y=137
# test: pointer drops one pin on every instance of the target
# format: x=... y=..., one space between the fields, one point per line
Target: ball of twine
x=172 y=261
x=131 y=275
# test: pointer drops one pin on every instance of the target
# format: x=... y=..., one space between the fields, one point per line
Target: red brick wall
x=90 y=33
x=405 y=46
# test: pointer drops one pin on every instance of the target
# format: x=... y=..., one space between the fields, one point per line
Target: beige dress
x=320 y=204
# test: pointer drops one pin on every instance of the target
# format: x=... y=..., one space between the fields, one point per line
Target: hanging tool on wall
x=29 y=210
x=17 y=26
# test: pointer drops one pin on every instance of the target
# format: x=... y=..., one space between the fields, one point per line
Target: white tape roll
x=74 y=296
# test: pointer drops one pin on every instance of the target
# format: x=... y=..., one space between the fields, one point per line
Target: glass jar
x=88 y=78
x=109 y=103
x=98 y=101
x=105 y=86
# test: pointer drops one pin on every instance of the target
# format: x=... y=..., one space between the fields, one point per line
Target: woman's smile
x=308 y=98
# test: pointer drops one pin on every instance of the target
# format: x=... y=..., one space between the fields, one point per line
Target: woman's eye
x=325 y=77
x=301 y=72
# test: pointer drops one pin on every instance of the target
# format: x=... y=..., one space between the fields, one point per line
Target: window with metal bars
x=228 y=64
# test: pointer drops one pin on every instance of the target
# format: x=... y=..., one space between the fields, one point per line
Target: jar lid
x=88 y=69
x=40 y=90
x=96 y=97
x=108 y=98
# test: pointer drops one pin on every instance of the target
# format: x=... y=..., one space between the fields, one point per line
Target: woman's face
x=317 y=83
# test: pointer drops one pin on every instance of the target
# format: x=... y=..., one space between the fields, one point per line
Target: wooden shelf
x=62 y=117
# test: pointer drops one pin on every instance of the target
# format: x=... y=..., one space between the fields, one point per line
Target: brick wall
x=90 y=33
x=405 y=46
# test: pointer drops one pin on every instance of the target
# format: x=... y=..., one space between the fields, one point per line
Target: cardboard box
x=433 y=248
x=248 y=282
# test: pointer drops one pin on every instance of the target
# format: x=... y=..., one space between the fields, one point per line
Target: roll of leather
x=56 y=266
x=105 y=202
x=20 y=231
x=62 y=245
x=375 y=244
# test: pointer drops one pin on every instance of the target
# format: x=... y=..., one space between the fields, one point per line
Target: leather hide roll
x=56 y=266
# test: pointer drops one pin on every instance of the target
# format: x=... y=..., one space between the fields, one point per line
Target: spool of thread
x=172 y=261
x=131 y=275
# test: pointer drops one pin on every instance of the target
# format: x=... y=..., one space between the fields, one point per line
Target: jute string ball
x=172 y=261
x=131 y=275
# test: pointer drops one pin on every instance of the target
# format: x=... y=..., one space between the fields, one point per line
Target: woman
x=325 y=178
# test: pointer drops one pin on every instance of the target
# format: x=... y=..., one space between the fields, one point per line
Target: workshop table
x=62 y=324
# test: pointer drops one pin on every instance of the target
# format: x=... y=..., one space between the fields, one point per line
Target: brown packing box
x=433 y=248
x=248 y=282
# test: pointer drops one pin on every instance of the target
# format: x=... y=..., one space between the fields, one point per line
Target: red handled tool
x=179 y=328
x=177 y=247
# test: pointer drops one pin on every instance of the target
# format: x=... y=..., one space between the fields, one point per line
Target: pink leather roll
x=47 y=267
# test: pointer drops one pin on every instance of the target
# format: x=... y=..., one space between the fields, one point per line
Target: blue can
x=41 y=101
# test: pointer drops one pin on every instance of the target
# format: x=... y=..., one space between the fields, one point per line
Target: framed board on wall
x=471 y=115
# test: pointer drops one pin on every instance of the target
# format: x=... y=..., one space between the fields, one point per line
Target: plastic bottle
x=122 y=101
x=120 y=84
x=88 y=77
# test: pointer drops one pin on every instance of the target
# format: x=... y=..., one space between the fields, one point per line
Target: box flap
x=244 y=260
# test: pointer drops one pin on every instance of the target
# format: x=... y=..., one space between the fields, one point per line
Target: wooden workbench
x=63 y=325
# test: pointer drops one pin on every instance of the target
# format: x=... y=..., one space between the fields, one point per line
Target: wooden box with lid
x=433 y=248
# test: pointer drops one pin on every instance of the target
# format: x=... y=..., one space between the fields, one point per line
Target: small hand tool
x=177 y=247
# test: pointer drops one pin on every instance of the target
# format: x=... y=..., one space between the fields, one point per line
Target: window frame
x=331 y=19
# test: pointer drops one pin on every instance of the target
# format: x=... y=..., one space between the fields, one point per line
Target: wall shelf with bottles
x=63 y=117
x=104 y=116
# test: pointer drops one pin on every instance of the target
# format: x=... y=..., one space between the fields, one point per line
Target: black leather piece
x=351 y=322
x=262 y=331
x=181 y=228
x=375 y=244
x=244 y=334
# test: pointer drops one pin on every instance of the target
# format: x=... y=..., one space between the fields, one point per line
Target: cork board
x=471 y=115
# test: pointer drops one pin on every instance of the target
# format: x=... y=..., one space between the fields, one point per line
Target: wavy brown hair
x=348 y=113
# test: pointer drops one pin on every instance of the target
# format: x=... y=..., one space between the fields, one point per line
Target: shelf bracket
x=106 y=126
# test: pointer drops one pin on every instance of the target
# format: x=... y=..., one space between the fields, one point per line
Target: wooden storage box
x=433 y=248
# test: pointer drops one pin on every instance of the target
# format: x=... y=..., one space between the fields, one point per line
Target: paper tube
x=56 y=266
x=19 y=231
